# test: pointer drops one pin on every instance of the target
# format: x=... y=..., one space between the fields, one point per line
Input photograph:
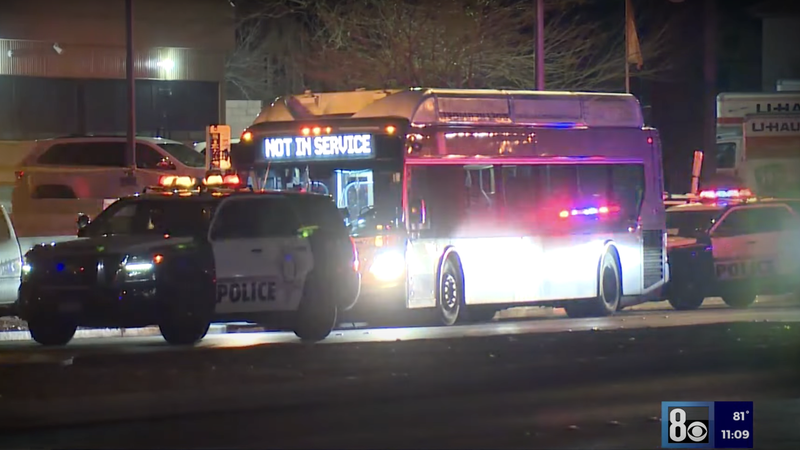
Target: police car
x=182 y=256
x=731 y=246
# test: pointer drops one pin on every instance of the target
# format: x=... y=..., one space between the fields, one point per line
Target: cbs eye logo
x=682 y=430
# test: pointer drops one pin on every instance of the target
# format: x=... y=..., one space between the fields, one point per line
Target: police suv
x=183 y=257
x=731 y=248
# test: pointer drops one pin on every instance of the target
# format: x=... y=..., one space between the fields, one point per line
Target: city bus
x=468 y=202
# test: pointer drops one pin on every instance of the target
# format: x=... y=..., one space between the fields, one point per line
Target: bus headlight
x=388 y=266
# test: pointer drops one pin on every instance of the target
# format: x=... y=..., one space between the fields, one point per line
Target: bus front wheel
x=608 y=296
x=451 y=294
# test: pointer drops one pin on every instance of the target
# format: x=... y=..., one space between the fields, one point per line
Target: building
x=62 y=67
x=780 y=59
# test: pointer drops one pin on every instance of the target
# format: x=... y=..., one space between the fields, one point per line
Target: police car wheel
x=451 y=294
x=686 y=302
x=315 y=320
x=51 y=331
x=184 y=331
x=739 y=300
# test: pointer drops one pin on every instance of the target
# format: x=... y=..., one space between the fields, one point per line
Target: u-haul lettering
x=733 y=270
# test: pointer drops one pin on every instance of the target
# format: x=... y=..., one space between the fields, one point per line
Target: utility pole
x=710 y=87
x=627 y=52
x=539 y=45
x=129 y=77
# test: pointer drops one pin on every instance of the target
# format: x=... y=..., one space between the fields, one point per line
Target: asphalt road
x=509 y=384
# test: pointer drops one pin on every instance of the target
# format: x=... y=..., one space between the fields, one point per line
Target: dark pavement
x=579 y=389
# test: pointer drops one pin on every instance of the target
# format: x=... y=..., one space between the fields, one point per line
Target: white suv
x=62 y=177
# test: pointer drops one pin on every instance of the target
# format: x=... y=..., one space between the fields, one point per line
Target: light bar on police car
x=176 y=181
x=230 y=179
x=593 y=211
x=724 y=194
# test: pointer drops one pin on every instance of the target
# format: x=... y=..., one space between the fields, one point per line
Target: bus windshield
x=366 y=197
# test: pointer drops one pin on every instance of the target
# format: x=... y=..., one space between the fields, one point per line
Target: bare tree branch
x=269 y=37
x=439 y=43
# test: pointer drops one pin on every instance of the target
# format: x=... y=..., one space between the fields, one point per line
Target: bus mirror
x=83 y=221
x=418 y=214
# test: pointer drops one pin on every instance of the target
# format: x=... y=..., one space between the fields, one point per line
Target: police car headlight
x=140 y=268
x=388 y=266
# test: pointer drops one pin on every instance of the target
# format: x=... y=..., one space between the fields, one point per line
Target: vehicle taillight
x=247 y=136
x=231 y=179
x=19 y=174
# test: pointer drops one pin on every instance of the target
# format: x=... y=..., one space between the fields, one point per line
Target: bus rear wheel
x=451 y=294
x=608 y=296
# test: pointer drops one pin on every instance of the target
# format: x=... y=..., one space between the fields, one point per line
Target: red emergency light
x=216 y=179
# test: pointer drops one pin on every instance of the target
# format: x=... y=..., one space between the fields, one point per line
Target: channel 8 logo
x=688 y=425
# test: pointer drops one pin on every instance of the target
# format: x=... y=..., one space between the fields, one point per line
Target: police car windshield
x=690 y=223
x=175 y=217
x=186 y=155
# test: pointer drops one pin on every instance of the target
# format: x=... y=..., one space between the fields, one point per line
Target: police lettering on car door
x=247 y=291
x=735 y=270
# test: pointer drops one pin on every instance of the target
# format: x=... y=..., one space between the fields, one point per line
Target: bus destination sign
x=330 y=147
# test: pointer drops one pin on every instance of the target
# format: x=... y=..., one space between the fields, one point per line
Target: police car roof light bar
x=725 y=194
x=602 y=210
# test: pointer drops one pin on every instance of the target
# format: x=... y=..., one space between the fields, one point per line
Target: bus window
x=355 y=191
x=607 y=196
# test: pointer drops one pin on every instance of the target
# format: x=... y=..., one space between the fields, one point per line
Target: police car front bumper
x=130 y=306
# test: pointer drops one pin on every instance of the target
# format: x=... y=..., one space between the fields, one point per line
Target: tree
x=264 y=63
x=469 y=44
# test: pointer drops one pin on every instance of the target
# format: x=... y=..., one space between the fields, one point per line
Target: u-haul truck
x=771 y=155
x=740 y=125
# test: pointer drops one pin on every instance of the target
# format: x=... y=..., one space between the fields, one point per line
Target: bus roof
x=423 y=106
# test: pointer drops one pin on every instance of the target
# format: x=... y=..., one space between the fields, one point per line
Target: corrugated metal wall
x=40 y=59
x=62 y=66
